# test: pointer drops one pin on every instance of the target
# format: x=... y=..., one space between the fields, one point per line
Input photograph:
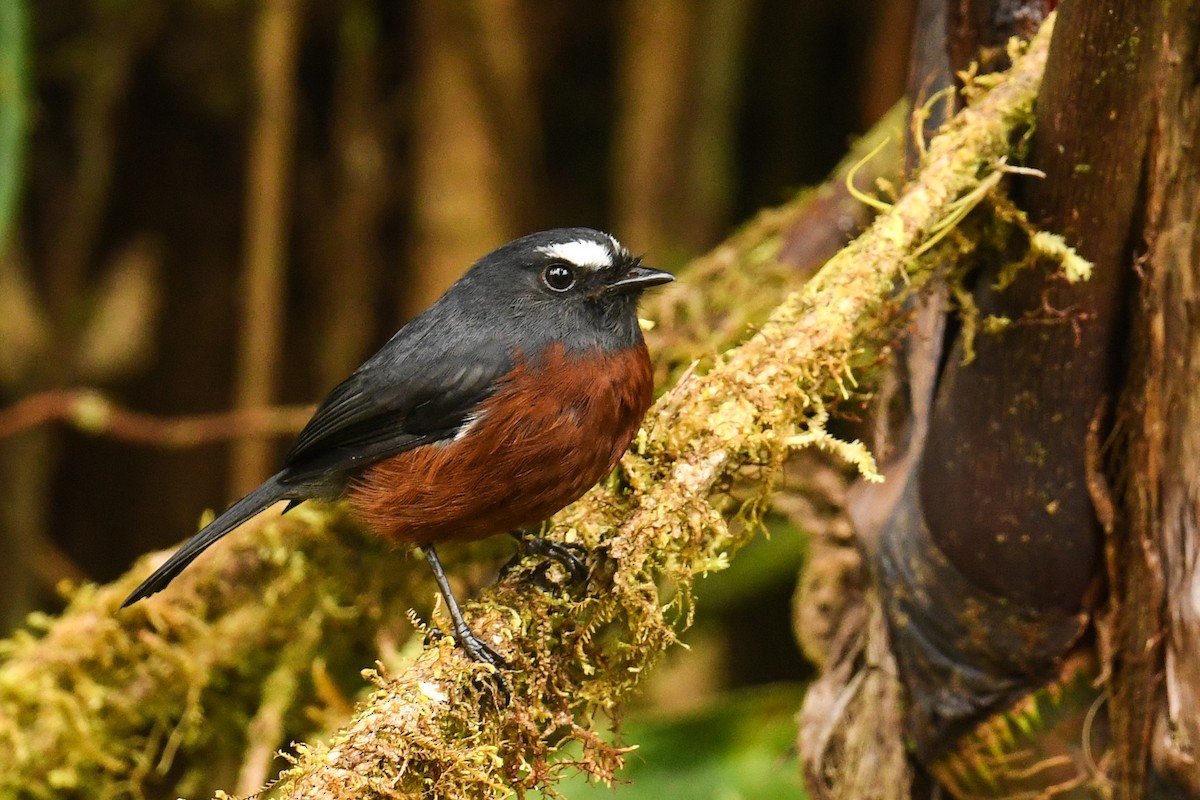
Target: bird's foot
x=479 y=652
x=476 y=649
x=569 y=556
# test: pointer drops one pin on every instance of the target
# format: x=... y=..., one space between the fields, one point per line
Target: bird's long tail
x=268 y=494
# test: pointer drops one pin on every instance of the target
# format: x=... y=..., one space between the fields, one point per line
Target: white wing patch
x=465 y=428
x=583 y=253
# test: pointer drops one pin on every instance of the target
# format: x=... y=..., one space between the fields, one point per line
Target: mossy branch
x=95 y=704
x=98 y=703
x=429 y=730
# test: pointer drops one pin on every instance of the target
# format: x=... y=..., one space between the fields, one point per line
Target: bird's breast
x=553 y=428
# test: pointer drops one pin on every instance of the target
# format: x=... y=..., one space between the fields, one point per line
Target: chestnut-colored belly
x=549 y=433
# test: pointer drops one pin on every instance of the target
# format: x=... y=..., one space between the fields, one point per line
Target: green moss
x=113 y=699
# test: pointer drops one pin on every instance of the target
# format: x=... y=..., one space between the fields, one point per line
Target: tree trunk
x=1156 y=552
x=989 y=554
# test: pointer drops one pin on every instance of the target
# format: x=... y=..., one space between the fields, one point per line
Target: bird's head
x=576 y=285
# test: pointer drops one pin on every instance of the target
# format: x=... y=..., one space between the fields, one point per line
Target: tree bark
x=1156 y=553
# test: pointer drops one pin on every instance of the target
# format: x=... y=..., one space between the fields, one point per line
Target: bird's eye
x=558 y=277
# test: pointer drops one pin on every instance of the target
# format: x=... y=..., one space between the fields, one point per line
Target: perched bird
x=500 y=404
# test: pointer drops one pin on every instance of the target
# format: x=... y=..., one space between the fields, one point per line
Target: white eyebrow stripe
x=581 y=253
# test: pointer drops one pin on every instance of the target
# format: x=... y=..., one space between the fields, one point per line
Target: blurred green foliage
x=741 y=746
x=13 y=109
x=765 y=563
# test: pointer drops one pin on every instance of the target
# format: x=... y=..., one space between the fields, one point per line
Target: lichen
x=1075 y=268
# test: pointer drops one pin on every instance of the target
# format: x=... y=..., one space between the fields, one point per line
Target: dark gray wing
x=405 y=396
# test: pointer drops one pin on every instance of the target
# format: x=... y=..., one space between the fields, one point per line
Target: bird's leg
x=473 y=647
x=570 y=556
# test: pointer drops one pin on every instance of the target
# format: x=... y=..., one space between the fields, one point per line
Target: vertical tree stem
x=13 y=110
x=266 y=230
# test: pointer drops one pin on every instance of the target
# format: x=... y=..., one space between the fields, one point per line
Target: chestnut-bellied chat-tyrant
x=500 y=404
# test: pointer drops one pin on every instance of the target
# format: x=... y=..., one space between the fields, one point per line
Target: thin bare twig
x=89 y=411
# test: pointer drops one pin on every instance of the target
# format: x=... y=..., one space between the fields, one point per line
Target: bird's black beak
x=637 y=278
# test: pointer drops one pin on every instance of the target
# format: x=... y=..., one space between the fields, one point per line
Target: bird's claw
x=570 y=556
x=481 y=653
x=474 y=647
